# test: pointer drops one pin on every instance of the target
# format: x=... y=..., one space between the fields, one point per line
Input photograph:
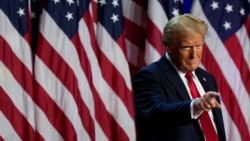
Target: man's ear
x=167 y=47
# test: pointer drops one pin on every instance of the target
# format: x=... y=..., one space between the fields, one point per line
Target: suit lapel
x=174 y=78
x=216 y=112
x=203 y=80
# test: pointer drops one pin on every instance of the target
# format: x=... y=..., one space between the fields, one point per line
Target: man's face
x=186 y=52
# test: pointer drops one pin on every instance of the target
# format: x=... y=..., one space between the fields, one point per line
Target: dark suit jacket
x=163 y=104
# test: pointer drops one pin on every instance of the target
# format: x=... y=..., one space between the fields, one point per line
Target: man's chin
x=190 y=68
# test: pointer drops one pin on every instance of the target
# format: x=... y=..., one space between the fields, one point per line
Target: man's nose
x=193 y=52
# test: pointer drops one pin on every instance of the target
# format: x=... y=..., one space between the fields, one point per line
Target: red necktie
x=205 y=121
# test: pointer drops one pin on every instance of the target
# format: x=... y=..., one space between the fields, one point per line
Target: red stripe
x=110 y=127
x=154 y=36
x=133 y=69
x=135 y=34
x=227 y=95
x=1 y=139
x=235 y=50
x=121 y=42
x=65 y=74
x=27 y=36
x=94 y=11
x=142 y=3
x=19 y=122
x=247 y=25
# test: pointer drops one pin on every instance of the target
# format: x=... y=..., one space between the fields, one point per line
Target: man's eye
x=186 y=48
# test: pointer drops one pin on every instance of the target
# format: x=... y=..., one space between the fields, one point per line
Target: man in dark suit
x=166 y=109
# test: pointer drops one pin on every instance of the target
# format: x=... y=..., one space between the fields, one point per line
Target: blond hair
x=181 y=25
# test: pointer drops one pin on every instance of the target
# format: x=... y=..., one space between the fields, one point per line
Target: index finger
x=213 y=93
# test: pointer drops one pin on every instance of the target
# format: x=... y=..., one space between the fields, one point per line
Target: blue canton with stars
x=226 y=16
x=17 y=12
x=67 y=13
x=172 y=7
x=110 y=16
x=175 y=7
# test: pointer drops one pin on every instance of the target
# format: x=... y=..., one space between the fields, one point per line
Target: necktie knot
x=189 y=75
x=193 y=90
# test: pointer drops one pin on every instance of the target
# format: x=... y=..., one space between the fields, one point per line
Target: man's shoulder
x=153 y=69
x=158 y=65
x=150 y=68
x=201 y=71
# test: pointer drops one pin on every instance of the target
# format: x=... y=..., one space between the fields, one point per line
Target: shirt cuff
x=194 y=115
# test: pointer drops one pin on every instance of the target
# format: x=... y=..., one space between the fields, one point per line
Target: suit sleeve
x=157 y=102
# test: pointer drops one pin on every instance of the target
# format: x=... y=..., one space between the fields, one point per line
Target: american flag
x=66 y=65
x=17 y=107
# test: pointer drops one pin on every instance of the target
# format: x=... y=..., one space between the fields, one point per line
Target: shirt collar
x=182 y=74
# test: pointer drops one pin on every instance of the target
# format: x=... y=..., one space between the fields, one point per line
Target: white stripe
x=151 y=54
x=224 y=60
x=232 y=132
x=25 y=104
x=18 y=44
x=159 y=19
x=114 y=54
x=7 y=132
x=133 y=53
x=245 y=44
x=113 y=104
x=44 y=127
x=157 y=15
x=202 y=66
x=72 y=60
x=134 y=12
